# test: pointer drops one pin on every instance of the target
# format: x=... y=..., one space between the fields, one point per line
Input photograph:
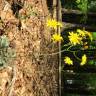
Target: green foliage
x=94 y=35
x=92 y=6
x=82 y=5
x=91 y=81
x=4 y=42
x=6 y=53
x=29 y=12
x=69 y=4
x=91 y=62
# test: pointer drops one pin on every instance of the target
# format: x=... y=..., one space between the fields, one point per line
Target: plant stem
x=55 y=53
x=74 y=53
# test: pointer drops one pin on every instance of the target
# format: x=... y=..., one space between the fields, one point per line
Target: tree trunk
x=33 y=72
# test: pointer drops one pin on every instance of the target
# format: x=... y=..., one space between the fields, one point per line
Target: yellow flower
x=56 y=37
x=53 y=23
x=84 y=60
x=68 y=61
x=84 y=33
x=81 y=32
x=90 y=35
x=74 y=38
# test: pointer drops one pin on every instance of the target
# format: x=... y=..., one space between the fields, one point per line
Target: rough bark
x=30 y=74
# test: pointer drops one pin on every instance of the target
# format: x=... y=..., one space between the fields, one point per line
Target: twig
x=13 y=82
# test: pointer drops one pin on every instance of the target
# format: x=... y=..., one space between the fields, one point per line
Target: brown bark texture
x=32 y=72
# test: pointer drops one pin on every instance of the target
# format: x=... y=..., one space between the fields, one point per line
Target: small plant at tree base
x=6 y=53
x=78 y=38
x=27 y=12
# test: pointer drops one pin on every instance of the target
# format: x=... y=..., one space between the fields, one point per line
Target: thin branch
x=56 y=53
x=74 y=53
x=13 y=81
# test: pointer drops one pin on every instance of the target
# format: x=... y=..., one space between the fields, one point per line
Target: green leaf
x=6 y=53
x=91 y=62
x=4 y=41
x=94 y=35
x=2 y=62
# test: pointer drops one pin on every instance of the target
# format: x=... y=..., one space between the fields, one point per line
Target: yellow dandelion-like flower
x=90 y=35
x=81 y=32
x=68 y=61
x=53 y=23
x=84 y=60
x=74 y=38
x=56 y=37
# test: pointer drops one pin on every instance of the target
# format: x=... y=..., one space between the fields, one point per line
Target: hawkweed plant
x=75 y=38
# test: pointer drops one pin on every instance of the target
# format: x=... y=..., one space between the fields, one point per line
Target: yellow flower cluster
x=74 y=38
x=78 y=36
x=56 y=37
x=53 y=23
x=84 y=33
x=68 y=61
x=90 y=35
x=81 y=32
